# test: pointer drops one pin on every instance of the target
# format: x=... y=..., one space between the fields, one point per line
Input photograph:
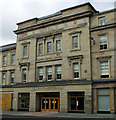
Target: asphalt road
x=45 y=118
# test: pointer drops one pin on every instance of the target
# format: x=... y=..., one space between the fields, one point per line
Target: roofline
x=27 y=20
x=106 y=11
x=87 y=3
x=7 y=45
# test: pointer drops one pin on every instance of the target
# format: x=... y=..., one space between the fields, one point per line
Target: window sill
x=103 y=50
x=26 y=57
x=49 y=53
x=77 y=49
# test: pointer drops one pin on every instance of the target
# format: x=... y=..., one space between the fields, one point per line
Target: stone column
x=32 y=105
x=44 y=74
x=15 y=101
x=63 y=101
x=53 y=70
x=88 y=102
x=112 y=102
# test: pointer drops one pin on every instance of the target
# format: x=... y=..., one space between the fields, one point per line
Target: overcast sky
x=15 y=11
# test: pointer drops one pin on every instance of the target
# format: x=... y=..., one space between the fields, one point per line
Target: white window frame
x=76 y=71
x=40 y=73
x=3 y=78
x=103 y=42
x=58 y=72
x=49 y=73
x=102 y=69
x=101 y=21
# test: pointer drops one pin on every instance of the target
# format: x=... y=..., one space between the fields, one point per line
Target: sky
x=15 y=11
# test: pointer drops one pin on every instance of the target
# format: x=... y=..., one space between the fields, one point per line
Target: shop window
x=40 y=76
x=103 y=100
x=24 y=99
x=76 y=101
x=104 y=69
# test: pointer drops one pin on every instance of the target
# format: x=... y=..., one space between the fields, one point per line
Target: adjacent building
x=63 y=62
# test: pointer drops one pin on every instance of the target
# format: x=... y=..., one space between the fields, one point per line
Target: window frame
x=108 y=69
x=24 y=51
x=4 y=60
x=39 y=73
x=13 y=59
x=58 y=49
x=58 y=72
x=103 y=19
x=77 y=42
x=39 y=48
x=11 y=78
x=4 y=79
x=77 y=71
x=24 y=70
x=103 y=44
x=49 y=74
x=49 y=50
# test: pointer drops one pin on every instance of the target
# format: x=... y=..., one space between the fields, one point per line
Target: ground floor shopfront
x=75 y=98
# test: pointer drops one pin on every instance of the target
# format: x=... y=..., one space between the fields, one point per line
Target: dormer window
x=101 y=21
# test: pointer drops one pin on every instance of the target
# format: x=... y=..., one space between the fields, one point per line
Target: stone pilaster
x=63 y=102
x=112 y=102
x=53 y=70
x=44 y=73
x=32 y=105
x=15 y=101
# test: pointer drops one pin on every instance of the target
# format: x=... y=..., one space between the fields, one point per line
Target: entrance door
x=50 y=104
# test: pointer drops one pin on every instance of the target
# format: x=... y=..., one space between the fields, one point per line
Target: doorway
x=50 y=104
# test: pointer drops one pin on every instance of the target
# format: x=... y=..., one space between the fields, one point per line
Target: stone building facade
x=64 y=62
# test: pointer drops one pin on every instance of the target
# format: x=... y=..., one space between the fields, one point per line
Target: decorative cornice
x=23 y=64
x=103 y=57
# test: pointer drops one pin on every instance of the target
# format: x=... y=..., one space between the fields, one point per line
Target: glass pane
x=103 y=92
x=80 y=103
x=58 y=45
x=52 y=103
x=73 y=103
x=103 y=103
x=43 y=103
x=56 y=103
x=47 y=103
x=40 y=48
x=75 y=42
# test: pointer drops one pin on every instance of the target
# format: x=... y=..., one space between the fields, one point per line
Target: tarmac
x=55 y=114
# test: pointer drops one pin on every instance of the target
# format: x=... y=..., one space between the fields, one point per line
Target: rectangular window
x=76 y=70
x=58 y=72
x=75 y=41
x=13 y=59
x=24 y=75
x=58 y=45
x=3 y=78
x=103 y=42
x=41 y=48
x=4 y=60
x=12 y=77
x=103 y=100
x=101 y=21
x=104 y=69
x=40 y=75
x=49 y=73
x=25 y=51
x=49 y=47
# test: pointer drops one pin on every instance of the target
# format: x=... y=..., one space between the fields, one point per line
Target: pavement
x=56 y=114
